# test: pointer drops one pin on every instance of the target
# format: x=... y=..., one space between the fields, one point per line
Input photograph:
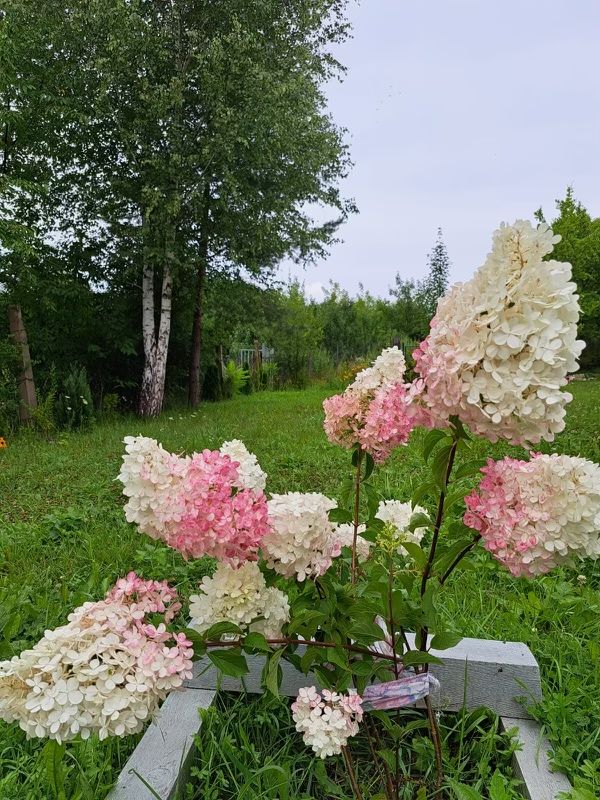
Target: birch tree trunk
x=156 y=340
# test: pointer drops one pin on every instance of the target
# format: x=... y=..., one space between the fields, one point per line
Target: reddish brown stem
x=309 y=643
x=458 y=559
x=356 y=511
x=437 y=743
x=351 y=773
x=438 y=521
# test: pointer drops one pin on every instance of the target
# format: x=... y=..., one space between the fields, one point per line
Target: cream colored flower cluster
x=387 y=369
x=302 y=540
x=345 y=535
x=398 y=515
x=152 y=479
x=104 y=672
x=502 y=344
x=242 y=597
x=250 y=474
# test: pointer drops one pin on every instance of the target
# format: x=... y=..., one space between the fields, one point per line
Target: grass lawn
x=63 y=540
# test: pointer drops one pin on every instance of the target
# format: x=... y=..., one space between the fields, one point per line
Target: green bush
x=9 y=389
x=74 y=408
x=110 y=405
x=236 y=380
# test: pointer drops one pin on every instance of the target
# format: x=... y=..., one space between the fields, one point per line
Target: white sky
x=461 y=114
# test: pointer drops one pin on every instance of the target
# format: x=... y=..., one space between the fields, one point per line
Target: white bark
x=156 y=341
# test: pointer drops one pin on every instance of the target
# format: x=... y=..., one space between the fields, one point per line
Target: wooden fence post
x=26 y=382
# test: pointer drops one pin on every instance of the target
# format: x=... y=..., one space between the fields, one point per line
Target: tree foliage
x=580 y=246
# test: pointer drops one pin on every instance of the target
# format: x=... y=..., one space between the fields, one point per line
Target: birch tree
x=193 y=136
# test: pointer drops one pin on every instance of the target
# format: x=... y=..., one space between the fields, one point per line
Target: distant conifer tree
x=436 y=282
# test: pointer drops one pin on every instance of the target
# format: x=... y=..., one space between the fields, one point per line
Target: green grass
x=63 y=540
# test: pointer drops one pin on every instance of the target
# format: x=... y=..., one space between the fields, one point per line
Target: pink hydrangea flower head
x=207 y=504
x=388 y=422
x=374 y=411
x=539 y=514
x=218 y=520
x=344 y=415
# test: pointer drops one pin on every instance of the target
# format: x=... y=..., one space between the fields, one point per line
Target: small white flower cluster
x=302 y=539
x=502 y=344
x=398 y=515
x=345 y=534
x=250 y=475
x=104 y=672
x=152 y=479
x=241 y=596
x=327 y=720
x=387 y=369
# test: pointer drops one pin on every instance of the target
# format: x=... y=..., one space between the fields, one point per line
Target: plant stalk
x=437 y=743
x=458 y=559
x=309 y=643
x=351 y=773
x=355 y=521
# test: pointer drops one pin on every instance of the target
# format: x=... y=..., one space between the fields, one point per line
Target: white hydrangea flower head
x=387 y=369
x=326 y=720
x=241 y=596
x=502 y=345
x=251 y=476
x=398 y=515
x=302 y=540
x=152 y=479
x=345 y=534
x=103 y=673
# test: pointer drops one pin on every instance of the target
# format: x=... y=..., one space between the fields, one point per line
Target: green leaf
x=388 y=756
x=420 y=520
x=423 y=490
x=418 y=555
x=365 y=632
x=197 y=641
x=497 y=789
x=256 y=641
x=229 y=662
x=307 y=622
x=362 y=667
x=53 y=755
x=464 y=792
x=272 y=673
x=419 y=657
x=431 y=440
x=340 y=515
x=444 y=640
x=439 y=466
x=214 y=633
x=309 y=657
x=325 y=782
x=470 y=468
x=369 y=466
x=337 y=657
x=445 y=558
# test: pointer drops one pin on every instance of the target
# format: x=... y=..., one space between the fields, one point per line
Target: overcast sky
x=461 y=114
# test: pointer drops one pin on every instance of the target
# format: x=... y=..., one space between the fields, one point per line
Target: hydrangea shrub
x=333 y=589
